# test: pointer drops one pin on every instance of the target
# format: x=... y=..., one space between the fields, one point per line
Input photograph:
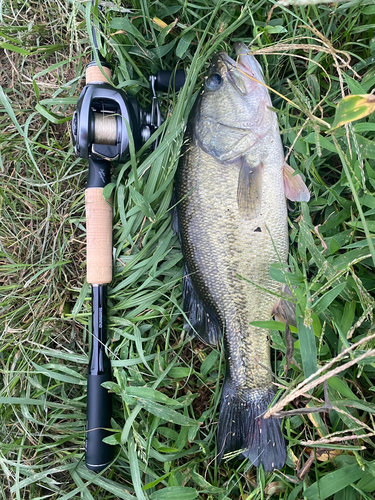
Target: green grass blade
x=334 y=482
x=307 y=346
x=134 y=469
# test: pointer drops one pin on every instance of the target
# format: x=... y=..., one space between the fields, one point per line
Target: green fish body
x=231 y=217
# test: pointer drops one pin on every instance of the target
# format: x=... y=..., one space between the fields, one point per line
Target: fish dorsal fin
x=295 y=188
x=249 y=190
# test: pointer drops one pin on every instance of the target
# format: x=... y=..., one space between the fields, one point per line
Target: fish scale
x=231 y=218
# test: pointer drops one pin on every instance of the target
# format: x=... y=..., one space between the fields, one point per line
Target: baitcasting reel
x=99 y=125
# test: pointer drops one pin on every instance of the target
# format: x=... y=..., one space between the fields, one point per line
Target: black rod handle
x=99 y=401
x=99 y=410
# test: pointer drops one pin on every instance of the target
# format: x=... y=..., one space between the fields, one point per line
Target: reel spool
x=106 y=129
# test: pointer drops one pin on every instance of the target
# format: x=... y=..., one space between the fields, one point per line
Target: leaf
x=166 y=413
x=274 y=29
x=308 y=347
x=134 y=470
x=159 y=22
x=334 y=246
x=175 y=493
x=209 y=362
x=323 y=302
x=366 y=146
x=9 y=109
x=354 y=86
x=324 y=142
x=325 y=455
x=76 y=379
x=85 y=290
x=21 y=401
x=52 y=117
x=118 y=491
x=184 y=43
x=108 y=189
x=341 y=387
x=151 y=395
x=123 y=24
x=295 y=492
x=369 y=11
x=179 y=372
x=141 y=202
x=163 y=50
x=51 y=68
x=360 y=405
x=333 y=482
x=14 y=48
x=353 y=107
x=273 y=325
x=203 y=484
x=367 y=483
x=36 y=477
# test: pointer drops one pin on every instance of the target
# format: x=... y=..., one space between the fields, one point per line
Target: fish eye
x=213 y=81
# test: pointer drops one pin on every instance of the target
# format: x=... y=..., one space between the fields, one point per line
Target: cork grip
x=99 y=237
x=94 y=74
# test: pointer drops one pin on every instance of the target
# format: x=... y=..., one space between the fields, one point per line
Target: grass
x=167 y=385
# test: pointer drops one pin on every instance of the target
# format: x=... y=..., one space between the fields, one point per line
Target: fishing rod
x=100 y=135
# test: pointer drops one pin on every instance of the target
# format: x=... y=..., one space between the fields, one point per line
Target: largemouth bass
x=231 y=217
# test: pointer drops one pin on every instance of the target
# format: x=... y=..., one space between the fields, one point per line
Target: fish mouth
x=245 y=63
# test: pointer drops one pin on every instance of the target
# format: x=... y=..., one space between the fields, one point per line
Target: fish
x=230 y=193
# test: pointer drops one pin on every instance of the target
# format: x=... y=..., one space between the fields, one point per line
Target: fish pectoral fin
x=201 y=319
x=249 y=190
x=295 y=188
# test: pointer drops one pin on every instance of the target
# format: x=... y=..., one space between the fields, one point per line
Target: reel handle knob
x=169 y=79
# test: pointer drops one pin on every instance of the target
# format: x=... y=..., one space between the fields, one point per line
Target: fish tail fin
x=242 y=427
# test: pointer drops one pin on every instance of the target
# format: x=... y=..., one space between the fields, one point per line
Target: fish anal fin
x=202 y=320
x=249 y=190
x=243 y=428
x=294 y=186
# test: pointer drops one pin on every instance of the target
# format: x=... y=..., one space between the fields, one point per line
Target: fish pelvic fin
x=243 y=428
x=249 y=190
x=285 y=310
x=203 y=321
x=295 y=188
